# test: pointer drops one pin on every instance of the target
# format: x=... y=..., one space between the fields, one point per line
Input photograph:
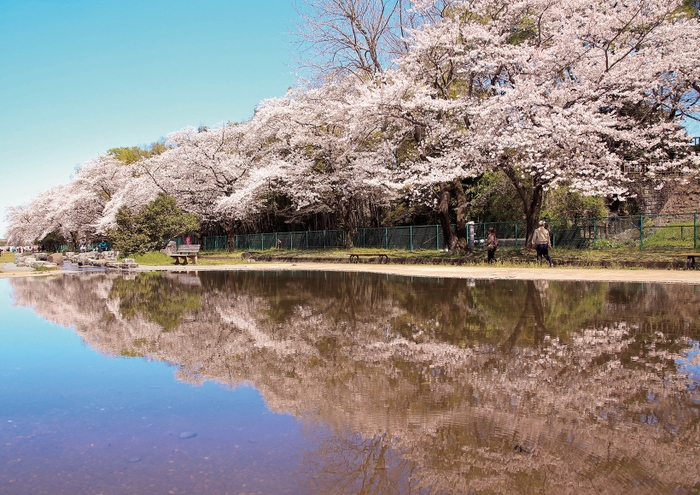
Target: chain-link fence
x=675 y=231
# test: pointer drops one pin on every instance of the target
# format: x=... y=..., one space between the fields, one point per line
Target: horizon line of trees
x=424 y=112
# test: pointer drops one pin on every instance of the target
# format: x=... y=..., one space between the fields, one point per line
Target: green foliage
x=407 y=212
x=689 y=8
x=562 y=203
x=52 y=241
x=162 y=219
x=526 y=30
x=155 y=298
x=492 y=198
x=154 y=225
x=135 y=153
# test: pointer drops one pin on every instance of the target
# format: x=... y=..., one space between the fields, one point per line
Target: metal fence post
x=386 y=237
x=437 y=238
x=262 y=242
x=695 y=230
x=324 y=239
x=516 y=235
x=307 y=239
x=410 y=237
x=595 y=233
x=641 y=231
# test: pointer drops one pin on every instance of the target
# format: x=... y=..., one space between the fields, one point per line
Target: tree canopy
x=529 y=96
x=156 y=223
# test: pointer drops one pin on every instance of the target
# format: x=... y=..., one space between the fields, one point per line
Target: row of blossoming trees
x=584 y=95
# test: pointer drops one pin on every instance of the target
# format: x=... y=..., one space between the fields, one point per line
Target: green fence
x=675 y=231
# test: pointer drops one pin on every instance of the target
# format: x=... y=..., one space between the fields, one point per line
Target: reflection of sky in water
x=690 y=363
x=72 y=421
x=403 y=384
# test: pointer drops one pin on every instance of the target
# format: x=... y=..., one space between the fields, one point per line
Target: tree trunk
x=532 y=213
x=532 y=199
x=348 y=226
x=229 y=228
x=443 y=211
x=461 y=227
x=74 y=241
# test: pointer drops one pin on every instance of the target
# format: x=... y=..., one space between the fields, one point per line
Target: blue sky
x=78 y=77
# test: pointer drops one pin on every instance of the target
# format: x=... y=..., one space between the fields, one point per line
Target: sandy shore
x=480 y=272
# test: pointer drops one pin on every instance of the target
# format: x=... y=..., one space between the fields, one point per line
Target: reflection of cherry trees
x=433 y=384
x=351 y=463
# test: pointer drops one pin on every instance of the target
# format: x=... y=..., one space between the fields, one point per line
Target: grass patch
x=153 y=258
x=612 y=257
x=7 y=257
x=616 y=257
x=673 y=235
x=45 y=268
x=156 y=258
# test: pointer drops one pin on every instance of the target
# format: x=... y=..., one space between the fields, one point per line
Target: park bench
x=689 y=259
x=381 y=257
x=184 y=252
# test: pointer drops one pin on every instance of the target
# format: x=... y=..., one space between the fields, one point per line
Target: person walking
x=491 y=244
x=540 y=239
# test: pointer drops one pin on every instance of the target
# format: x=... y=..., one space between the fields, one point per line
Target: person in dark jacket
x=491 y=245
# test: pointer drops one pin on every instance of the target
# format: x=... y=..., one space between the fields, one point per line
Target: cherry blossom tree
x=336 y=161
x=554 y=94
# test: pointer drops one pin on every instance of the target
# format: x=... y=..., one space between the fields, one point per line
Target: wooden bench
x=689 y=259
x=186 y=251
x=381 y=257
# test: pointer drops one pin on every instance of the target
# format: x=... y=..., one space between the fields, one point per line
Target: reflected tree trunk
x=532 y=309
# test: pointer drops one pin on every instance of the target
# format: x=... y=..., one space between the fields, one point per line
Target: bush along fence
x=673 y=231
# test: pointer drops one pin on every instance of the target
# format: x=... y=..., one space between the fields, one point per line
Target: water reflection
x=427 y=385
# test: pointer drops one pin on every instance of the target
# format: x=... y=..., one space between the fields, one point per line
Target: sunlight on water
x=262 y=382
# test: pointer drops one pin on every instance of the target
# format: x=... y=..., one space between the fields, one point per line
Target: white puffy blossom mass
x=565 y=93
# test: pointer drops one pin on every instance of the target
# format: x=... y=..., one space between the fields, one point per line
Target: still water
x=313 y=382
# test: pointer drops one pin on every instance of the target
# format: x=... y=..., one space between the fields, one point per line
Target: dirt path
x=480 y=272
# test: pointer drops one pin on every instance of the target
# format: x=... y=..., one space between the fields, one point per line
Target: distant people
x=102 y=246
x=540 y=239
x=188 y=240
x=491 y=245
x=82 y=247
x=279 y=244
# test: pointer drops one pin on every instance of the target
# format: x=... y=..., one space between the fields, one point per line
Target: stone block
x=170 y=248
x=128 y=264
x=56 y=258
